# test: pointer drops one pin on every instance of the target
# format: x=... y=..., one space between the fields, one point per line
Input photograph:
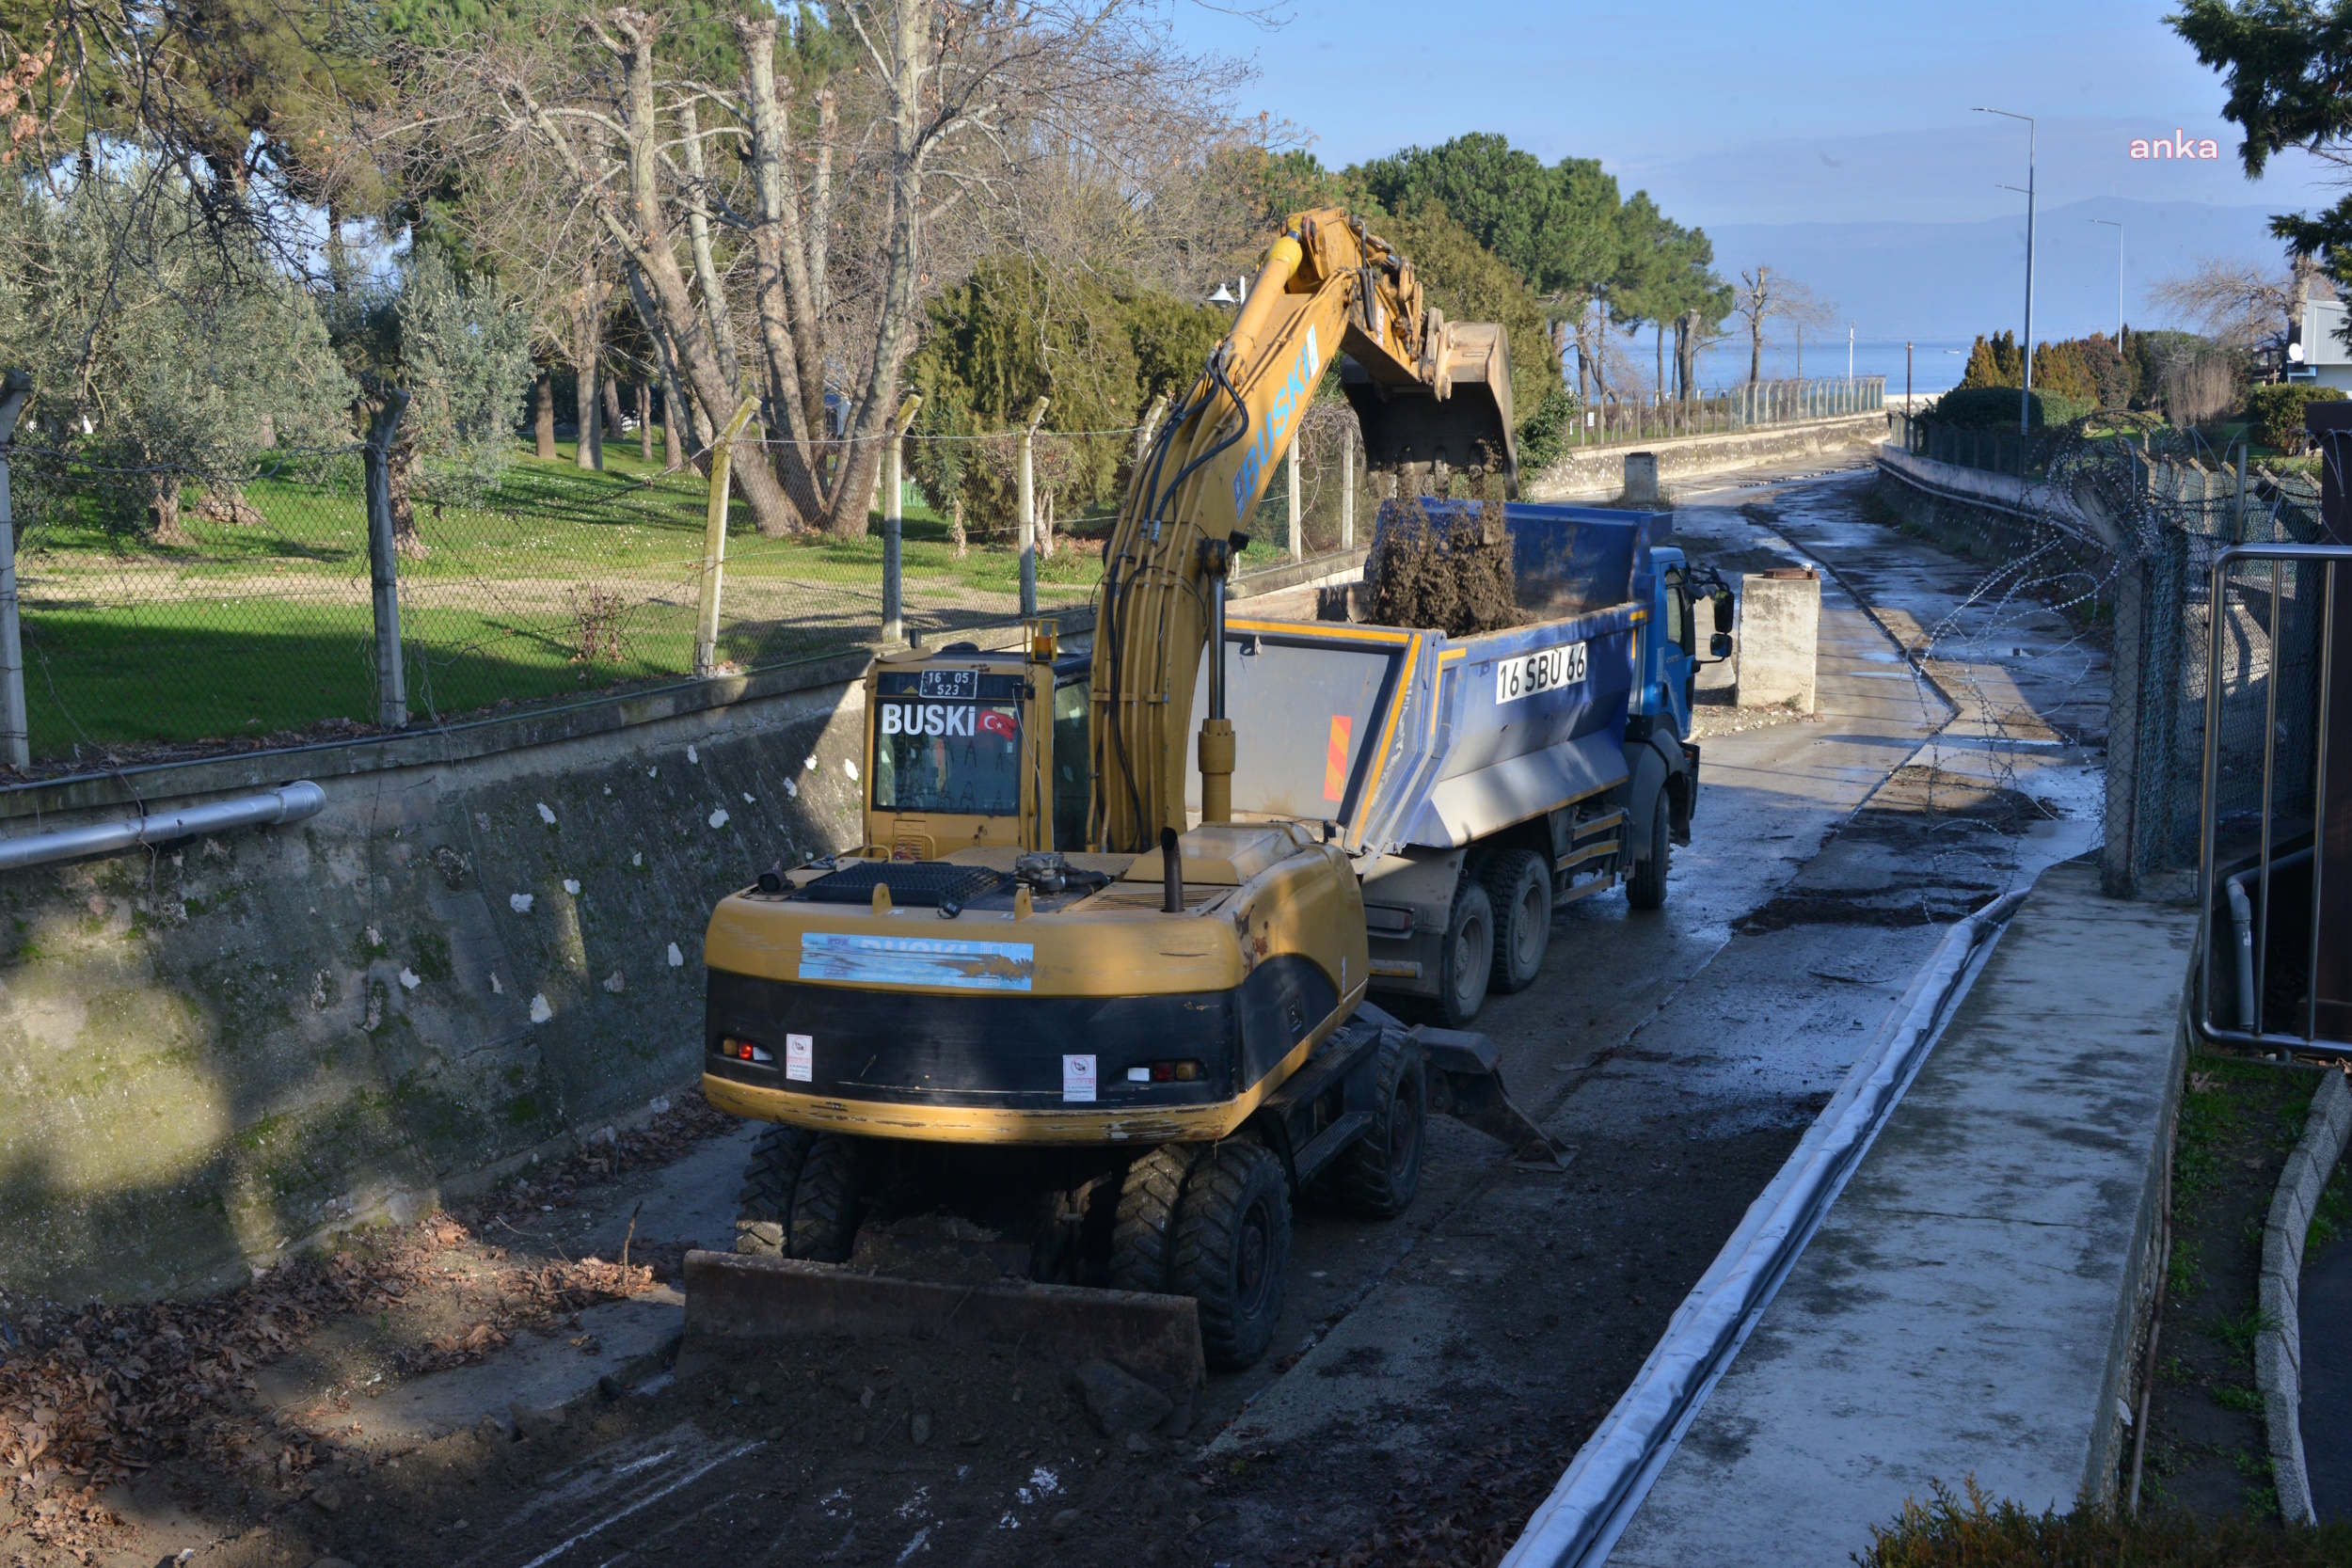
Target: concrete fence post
x=894 y=523
x=1028 y=509
x=392 y=678
x=1297 y=535
x=1348 y=486
x=15 y=732
x=715 y=539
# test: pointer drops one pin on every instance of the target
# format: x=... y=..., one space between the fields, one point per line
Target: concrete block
x=2276 y=1365
x=1780 y=621
x=1641 y=476
x=2282 y=1247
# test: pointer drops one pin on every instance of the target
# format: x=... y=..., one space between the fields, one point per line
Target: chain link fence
x=2132 y=521
x=168 y=613
x=1615 y=420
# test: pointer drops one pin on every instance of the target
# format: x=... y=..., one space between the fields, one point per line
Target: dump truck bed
x=1408 y=738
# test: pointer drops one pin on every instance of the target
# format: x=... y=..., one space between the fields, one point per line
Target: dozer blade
x=734 y=1298
x=1466 y=1083
x=1458 y=414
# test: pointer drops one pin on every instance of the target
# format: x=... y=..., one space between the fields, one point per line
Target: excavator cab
x=969 y=750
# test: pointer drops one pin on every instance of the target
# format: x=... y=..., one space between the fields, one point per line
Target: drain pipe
x=289 y=803
x=2242 y=918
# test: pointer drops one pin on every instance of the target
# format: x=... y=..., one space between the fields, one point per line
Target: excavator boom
x=1434 y=399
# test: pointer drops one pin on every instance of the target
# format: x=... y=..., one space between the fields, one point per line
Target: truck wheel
x=1519 y=884
x=1466 y=959
x=1381 y=1173
x=1231 y=1251
x=764 y=1207
x=1647 y=888
x=1148 y=1196
x=829 y=1200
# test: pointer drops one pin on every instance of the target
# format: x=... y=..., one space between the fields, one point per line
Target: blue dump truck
x=1480 y=781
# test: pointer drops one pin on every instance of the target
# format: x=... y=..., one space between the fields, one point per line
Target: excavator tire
x=1519 y=884
x=763 y=1209
x=1381 y=1171
x=1231 y=1251
x=829 y=1200
x=1148 y=1197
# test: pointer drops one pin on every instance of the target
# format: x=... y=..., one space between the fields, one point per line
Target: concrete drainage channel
x=2279 y=1348
x=1611 y=1475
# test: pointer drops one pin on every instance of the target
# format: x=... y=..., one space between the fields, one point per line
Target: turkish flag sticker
x=999 y=723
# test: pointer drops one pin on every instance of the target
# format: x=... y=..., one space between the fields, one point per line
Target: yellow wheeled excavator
x=1039 y=994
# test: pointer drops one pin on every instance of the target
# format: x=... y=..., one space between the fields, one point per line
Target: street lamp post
x=2119 y=280
x=2025 y=397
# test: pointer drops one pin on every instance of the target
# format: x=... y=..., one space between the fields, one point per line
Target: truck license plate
x=1540 y=671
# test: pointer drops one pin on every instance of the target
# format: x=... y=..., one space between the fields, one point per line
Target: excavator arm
x=1434 y=399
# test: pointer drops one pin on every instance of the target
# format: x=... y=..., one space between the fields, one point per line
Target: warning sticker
x=1335 y=756
x=1077 y=1079
x=800 y=1058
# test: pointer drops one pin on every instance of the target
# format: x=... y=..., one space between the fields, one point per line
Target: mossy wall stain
x=214 y=1049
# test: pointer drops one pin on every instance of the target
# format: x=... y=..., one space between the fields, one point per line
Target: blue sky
x=1785 y=111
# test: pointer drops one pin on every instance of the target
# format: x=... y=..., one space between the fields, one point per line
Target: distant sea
x=1934 y=364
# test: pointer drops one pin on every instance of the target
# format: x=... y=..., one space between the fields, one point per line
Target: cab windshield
x=961 y=757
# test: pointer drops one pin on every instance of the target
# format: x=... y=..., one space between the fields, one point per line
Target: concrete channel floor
x=1679 y=1055
x=1966 y=1308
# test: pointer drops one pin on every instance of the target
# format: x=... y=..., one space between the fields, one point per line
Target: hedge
x=2275 y=414
x=1995 y=408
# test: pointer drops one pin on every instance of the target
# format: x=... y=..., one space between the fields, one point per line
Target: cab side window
x=1678 y=623
x=1073 y=764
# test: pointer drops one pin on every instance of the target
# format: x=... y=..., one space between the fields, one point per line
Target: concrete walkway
x=1969 y=1306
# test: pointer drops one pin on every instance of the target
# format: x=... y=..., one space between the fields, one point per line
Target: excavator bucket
x=1456 y=420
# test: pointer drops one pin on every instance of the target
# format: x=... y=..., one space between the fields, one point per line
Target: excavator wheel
x=1231 y=1251
x=1381 y=1172
x=829 y=1200
x=1148 y=1196
x=763 y=1210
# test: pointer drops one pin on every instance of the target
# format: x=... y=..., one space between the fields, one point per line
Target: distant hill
x=1951 y=280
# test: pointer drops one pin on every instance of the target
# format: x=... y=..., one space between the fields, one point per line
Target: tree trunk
x=589 y=452
x=645 y=419
x=543 y=416
x=615 y=422
x=164 y=526
x=1755 y=350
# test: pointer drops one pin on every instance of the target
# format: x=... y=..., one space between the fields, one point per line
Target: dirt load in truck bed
x=1454 y=573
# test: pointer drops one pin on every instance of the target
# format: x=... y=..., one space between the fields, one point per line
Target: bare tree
x=1765 y=296
x=2241 y=303
x=781 y=230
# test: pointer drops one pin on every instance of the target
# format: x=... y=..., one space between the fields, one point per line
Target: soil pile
x=1452 y=574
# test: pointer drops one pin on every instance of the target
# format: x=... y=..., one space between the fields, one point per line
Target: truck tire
x=1231 y=1251
x=1645 y=889
x=1381 y=1173
x=1518 y=885
x=1148 y=1196
x=764 y=1208
x=1466 y=958
x=829 y=1200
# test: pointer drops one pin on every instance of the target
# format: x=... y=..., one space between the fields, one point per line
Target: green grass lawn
x=559 y=582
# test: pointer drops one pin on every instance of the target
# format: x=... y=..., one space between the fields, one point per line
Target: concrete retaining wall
x=216 y=1049
x=1600 y=471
